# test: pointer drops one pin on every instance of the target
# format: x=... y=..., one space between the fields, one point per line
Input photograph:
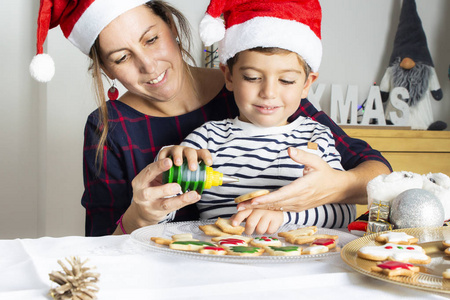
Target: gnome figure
x=411 y=67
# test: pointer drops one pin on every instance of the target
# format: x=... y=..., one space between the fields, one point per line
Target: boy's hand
x=260 y=221
x=192 y=156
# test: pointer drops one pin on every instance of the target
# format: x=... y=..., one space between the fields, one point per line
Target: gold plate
x=430 y=276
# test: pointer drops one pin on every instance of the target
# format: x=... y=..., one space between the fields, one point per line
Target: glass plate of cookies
x=201 y=240
x=414 y=257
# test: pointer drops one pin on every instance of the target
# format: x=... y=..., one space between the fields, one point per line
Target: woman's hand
x=192 y=156
x=319 y=185
x=152 y=201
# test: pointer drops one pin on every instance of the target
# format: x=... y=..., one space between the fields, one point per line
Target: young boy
x=268 y=82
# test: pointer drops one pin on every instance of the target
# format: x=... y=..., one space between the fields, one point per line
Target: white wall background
x=42 y=125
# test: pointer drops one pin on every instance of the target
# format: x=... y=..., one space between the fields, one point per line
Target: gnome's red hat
x=291 y=25
x=81 y=22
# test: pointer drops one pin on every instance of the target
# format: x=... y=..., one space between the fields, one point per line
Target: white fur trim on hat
x=96 y=17
x=386 y=187
x=42 y=67
x=272 y=32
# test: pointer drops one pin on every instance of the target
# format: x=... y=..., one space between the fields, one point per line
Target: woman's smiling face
x=140 y=50
x=267 y=87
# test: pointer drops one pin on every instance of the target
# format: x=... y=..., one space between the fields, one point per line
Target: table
x=131 y=271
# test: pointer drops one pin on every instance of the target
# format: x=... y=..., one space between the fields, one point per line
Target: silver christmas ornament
x=416 y=208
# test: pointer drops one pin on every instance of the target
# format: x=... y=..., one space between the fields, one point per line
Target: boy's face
x=267 y=88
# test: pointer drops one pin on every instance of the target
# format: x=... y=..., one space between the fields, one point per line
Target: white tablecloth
x=130 y=271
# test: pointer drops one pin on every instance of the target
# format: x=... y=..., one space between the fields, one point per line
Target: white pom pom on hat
x=211 y=30
x=42 y=67
x=294 y=25
x=81 y=21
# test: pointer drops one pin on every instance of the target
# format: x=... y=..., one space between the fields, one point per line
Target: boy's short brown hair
x=270 y=50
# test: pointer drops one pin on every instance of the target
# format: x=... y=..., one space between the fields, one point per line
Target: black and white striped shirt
x=258 y=157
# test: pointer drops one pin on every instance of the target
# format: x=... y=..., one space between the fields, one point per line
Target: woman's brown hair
x=167 y=13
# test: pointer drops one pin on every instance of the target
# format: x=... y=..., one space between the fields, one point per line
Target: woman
x=143 y=48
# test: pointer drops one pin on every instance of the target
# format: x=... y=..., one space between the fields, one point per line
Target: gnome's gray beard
x=414 y=80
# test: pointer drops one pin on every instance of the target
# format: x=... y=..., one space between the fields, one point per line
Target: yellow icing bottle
x=202 y=178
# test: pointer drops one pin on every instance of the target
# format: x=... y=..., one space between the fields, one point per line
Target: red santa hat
x=81 y=22
x=293 y=25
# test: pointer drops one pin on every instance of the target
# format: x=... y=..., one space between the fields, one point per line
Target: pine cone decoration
x=78 y=283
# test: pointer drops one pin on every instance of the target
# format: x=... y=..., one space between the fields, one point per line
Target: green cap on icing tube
x=202 y=178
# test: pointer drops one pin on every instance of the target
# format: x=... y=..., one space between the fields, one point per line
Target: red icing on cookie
x=392 y=265
x=323 y=242
x=232 y=242
x=214 y=248
x=388 y=247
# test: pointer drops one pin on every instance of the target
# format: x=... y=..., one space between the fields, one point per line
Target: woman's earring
x=113 y=92
x=177 y=39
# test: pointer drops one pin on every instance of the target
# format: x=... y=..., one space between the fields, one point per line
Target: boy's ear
x=228 y=77
x=311 y=78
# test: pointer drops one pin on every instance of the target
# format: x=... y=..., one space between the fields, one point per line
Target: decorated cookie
x=183 y=237
x=395 y=268
x=404 y=253
x=212 y=230
x=315 y=250
x=283 y=250
x=291 y=235
x=213 y=250
x=251 y=195
x=446 y=274
x=225 y=226
x=329 y=243
x=240 y=237
x=189 y=245
x=245 y=251
x=396 y=237
x=300 y=240
x=265 y=241
x=446 y=244
x=229 y=242
x=161 y=241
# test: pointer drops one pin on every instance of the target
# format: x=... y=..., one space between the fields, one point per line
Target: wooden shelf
x=417 y=151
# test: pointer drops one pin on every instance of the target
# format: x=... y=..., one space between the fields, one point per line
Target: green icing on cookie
x=196 y=243
x=244 y=249
x=284 y=249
